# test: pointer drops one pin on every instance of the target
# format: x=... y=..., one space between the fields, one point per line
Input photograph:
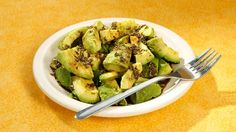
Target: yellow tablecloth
x=210 y=105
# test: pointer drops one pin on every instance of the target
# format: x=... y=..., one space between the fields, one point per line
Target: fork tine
x=199 y=57
x=195 y=65
x=207 y=68
x=206 y=61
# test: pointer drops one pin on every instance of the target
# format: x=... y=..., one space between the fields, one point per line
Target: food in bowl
x=96 y=62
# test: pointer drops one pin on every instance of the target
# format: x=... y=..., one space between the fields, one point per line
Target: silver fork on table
x=190 y=71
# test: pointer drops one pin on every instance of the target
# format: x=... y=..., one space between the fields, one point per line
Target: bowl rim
x=114 y=111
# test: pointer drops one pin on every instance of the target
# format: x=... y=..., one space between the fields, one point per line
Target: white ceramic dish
x=50 y=87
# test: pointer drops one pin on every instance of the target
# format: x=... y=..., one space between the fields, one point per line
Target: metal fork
x=190 y=71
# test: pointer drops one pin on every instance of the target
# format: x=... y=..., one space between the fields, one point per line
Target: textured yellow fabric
x=210 y=105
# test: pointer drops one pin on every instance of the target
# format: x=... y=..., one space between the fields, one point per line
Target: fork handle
x=116 y=98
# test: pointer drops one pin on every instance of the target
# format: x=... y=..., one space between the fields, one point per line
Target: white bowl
x=50 y=87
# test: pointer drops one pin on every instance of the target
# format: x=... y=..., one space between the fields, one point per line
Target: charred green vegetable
x=71 y=37
x=64 y=77
x=158 y=47
x=75 y=60
x=91 y=40
x=108 y=35
x=130 y=76
x=146 y=93
x=85 y=90
x=118 y=59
